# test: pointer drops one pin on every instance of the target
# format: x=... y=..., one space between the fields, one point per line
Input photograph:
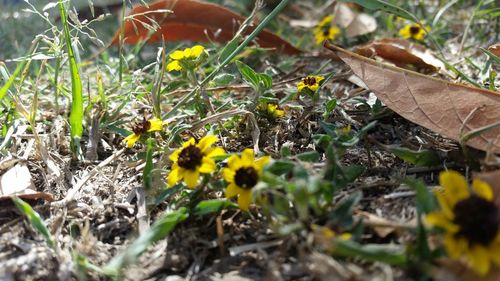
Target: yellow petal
x=187 y=53
x=444 y=203
x=244 y=199
x=174 y=65
x=174 y=176
x=482 y=189
x=494 y=252
x=314 y=87
x=345 y=236
x=479 y=260
x=247 y=157
x=455 y=246
x=191 y=178
x=207 y=166
x=175 y=155
x=454 y=185
x=301 y=86
x=326 y=20
x=132 y=139
x=156 y=125
x=319 y=79
x=215 y=151
x=177 y=55
x=232 y=190
x=228 y=175
x=190 y=142
x=261 y=162
x=196 y=51
x=405 y=32
x=206 y=142
x=234 y=162
x=440 y=220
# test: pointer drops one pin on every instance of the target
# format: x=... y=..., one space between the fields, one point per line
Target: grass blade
x=76 y=115
x=158 y=231
x=35 y=220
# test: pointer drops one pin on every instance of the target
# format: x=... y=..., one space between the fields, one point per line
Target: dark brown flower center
x=246 y=177
x=414 y=30
x=309 y=81
x=326 y=30
x=190 y=157
x=141 y=127
x=478 y=220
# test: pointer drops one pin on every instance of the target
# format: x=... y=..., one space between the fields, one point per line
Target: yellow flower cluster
x=195 y=158
x=470 y=219
x=325 y=30
x=185 y=59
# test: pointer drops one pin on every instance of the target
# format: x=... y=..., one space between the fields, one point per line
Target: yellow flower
x=243 y=174
x=145 y=126
x=192 y=159
x=273 y=110
x=470 y=219
x=182 y=58
x=325 y=30
x=413 y=31
x=310 y=83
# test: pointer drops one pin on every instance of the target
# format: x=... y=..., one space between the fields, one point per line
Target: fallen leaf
x=495 y=49
x=449 y=269
x=17 y=181
x=354 y=23
x=385 y=227
x=446 y=108
x=194 y=21
x=402 y=53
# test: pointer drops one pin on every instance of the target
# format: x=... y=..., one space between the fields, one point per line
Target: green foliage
x=159 y=230
x=76 y=114
x=35 y=220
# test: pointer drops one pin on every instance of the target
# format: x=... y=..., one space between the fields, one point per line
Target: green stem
x=226 y=61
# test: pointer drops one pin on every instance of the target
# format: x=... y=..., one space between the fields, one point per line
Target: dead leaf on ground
x=354 y=23
x=495 y=49
x=382 y=227
x=402 y=53
x=449 y=269
x=446 y=108
x=194 y=21
x=17 y=181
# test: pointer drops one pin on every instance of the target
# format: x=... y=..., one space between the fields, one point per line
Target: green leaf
x=422 y=158
x=425 y=200
x=223 y=79
x=390 y=254
x=167 y=193
x=309 y=156
x=148 y=168
x=159 y=230
x=35 y=220
x=265 y=81
x=487 y=52
x=345 y=207
x=280 y=167
x=330 y=106
x=229 y=48
x=213 y=206
x=384 y=6
x=76 y=114
x=249 y=75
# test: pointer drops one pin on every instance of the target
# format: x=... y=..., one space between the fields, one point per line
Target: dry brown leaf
x=17 y=181
x=455 y=270
x=402 y=53
x=495 y=49
x=444 y=107
x=354 y=23
x=382 y=227
x=195 y=21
